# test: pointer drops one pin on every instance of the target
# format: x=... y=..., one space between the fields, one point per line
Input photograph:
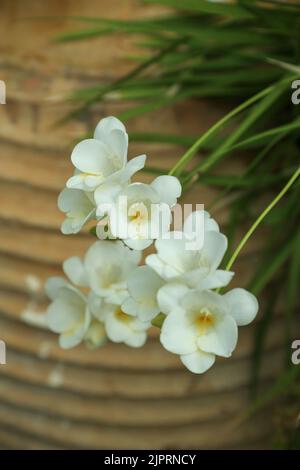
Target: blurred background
x=117 y=397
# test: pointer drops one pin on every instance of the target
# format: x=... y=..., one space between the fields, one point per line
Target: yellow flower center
x=138 y=213
x=135 y=216
x=120 y=315
x=203 y=320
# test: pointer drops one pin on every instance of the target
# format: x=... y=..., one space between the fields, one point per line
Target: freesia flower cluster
x=108 y=295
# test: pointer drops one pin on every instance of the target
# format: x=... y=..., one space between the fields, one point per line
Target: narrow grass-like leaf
x=203 y=6
x=261 y=217
x=259 y=339
x=185 y=141
x=251 y=118
x=281 y=387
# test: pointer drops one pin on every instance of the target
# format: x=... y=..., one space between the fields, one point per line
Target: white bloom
x=169 y=295
x=68 y=313
x=197 y=221
x=95 y=335
x=79 y=207
x=141 y=212
x=103 y=231
x=195 y=268
x=104 y=158
x=203 y=324
x=242 y=305
x=143 y=284
x=121 y=327
x=107 y=265
x=74 y=269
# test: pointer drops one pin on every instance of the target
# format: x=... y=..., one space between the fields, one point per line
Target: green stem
x=261 y=217
x=178 y=167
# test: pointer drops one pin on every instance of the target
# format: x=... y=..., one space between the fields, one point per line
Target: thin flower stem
x=261 y=217
x=178 y=167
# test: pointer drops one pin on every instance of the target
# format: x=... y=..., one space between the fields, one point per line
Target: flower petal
x=214 y=248
x=176 y=334
x=75 y=271
x=201 y=279
x=53 y=285
x=92 y=156
x=143 y=284
x=169 y=296
x=136 y=339
x=117 y=140
x=62 y=315
x=138 y=245
x=69 y=340
x=173 y=253
x=134 y=165
x=108 y=265
x=131 y=306
x=75 y=201
x=67 y=227
x=106 y=125
x=199 y=220
x=160 y=267
x=111 y=131
x=243 y=306
x=105 y=196
x=116 y=330
x=84 y=182
x=221 y=339
x=168 y=188
x=198 y=361
x=95 y=305
x=95 y=335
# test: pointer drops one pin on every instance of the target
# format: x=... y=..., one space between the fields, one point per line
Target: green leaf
x=203 y=6
x=261 y=331
x=178 y=167
x=293 y=283
x=148 y=137
x=251 y=119
x=268 y=268
x=262 y=216
x=281 y=386
x=148 y=63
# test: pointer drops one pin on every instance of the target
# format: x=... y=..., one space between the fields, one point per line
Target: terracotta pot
x=115 y=397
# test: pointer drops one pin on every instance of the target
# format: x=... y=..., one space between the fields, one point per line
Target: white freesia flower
x=107 y=295
x=203 y=324
x=79 y=207
x=75 y=272
x=68 y=313
x=121 y=327
x=169 y=295
x=74 y=269
x=198 y=221
x=143 y=285
x=103 y=231
x=103 y=159
x=95 y=335
x=107 y=265
x=141 y=212
x=198 y=268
